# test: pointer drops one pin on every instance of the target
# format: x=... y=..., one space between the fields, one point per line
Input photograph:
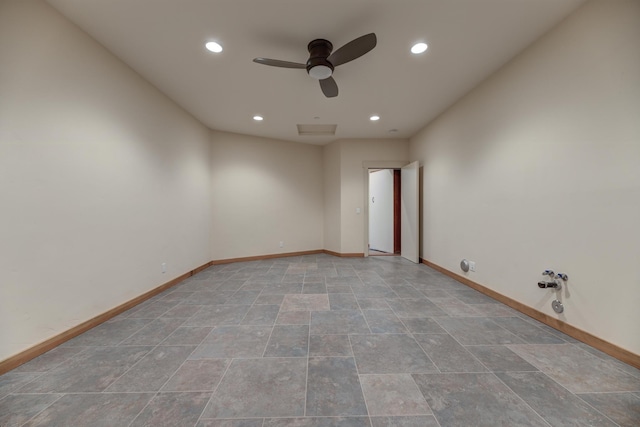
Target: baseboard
x=288 y=254
x=262 y=257
x=35 y=351
x=606 y=347
x=344 y=255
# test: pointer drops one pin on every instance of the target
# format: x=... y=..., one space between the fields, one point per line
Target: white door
x=409 y=224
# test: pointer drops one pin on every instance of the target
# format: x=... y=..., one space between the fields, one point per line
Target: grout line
x=215 y=389
x=355 y=362
x=43 y=409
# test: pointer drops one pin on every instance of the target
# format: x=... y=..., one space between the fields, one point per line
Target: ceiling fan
x=321 y=61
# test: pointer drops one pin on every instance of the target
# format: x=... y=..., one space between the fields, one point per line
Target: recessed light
x=419 y=48
x=258 y=118
x=374 y=118
x=213 y=47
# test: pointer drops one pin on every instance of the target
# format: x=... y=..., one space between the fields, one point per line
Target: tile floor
x=319 y=341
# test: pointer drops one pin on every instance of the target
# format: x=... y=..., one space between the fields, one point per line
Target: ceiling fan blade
x=278 y=63
x=329 y=87
x=354 y=49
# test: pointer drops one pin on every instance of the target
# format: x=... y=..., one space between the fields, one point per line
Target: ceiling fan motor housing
x=318 y=66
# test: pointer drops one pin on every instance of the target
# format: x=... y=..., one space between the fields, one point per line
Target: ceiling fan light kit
x=322 y=61
x=318 y=66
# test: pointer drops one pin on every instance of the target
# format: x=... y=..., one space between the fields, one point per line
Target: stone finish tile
x=243 y=297
x=252 y=422
x=494 y=310
x=304 y=302
x=343 y=302
x=330 y=345
x=49 y=360
x=217 y=315
x=182 y=311
x=269 y=299
x=197 y=375
x=151 y=309
x=17 y=409
x=406 y=291
x=109 y=333
x=293 y=318
x=373 y=304
x=318 y=422
x=477 y=331
x=233 y=341
x=154 y=333
x=93 y=371
x=338 y=322
x=447 y=354
x=175 y=295
x=498 y=358
x=575 y=369
x=384 y=322
x=262 y=314
x=423 y=325
x=395 y=394
x=414 y=307
x=434 y=293
x=527 y=331
x=554 y=403
x=373 y=290
x=172 y=409
x=314 y=288
x=231 y=285
x=13 y=381
x=334 y=388
x=150 y=373
x=618 y=364
x=95 y=410
x=294 y=287
x=260 y=388
x=339 y=289
x=472 y=399
x=413 y=421
x=187 y=335
x=288 y=341
x=389 y=354
x=471 y=296
x=623 y=408
x=441 y=312
x=451 y=306
x=208 y=298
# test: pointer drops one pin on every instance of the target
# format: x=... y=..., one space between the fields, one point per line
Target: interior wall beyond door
x=381 y=210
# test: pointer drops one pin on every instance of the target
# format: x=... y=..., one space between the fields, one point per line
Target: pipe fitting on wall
x=553 y=285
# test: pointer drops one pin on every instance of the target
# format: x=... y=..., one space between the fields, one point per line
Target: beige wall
x=102 y=179
x=265 y=192
x=353 y=153
x=331 y=171
x=539 y=167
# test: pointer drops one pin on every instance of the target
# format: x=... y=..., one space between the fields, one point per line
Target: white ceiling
x=163 y=40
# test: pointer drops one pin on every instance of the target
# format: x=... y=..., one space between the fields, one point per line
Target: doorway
x=384 y=212
x=408 y=236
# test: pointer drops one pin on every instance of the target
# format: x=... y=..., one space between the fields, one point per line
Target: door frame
x=374 y=164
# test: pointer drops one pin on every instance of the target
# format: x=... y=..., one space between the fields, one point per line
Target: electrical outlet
x=164 y=267
x=472 y=265
x=282 y=244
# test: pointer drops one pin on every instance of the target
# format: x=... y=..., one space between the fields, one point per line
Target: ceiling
x=163 y=40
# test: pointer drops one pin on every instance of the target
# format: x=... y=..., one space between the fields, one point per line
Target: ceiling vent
x=316 y=130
